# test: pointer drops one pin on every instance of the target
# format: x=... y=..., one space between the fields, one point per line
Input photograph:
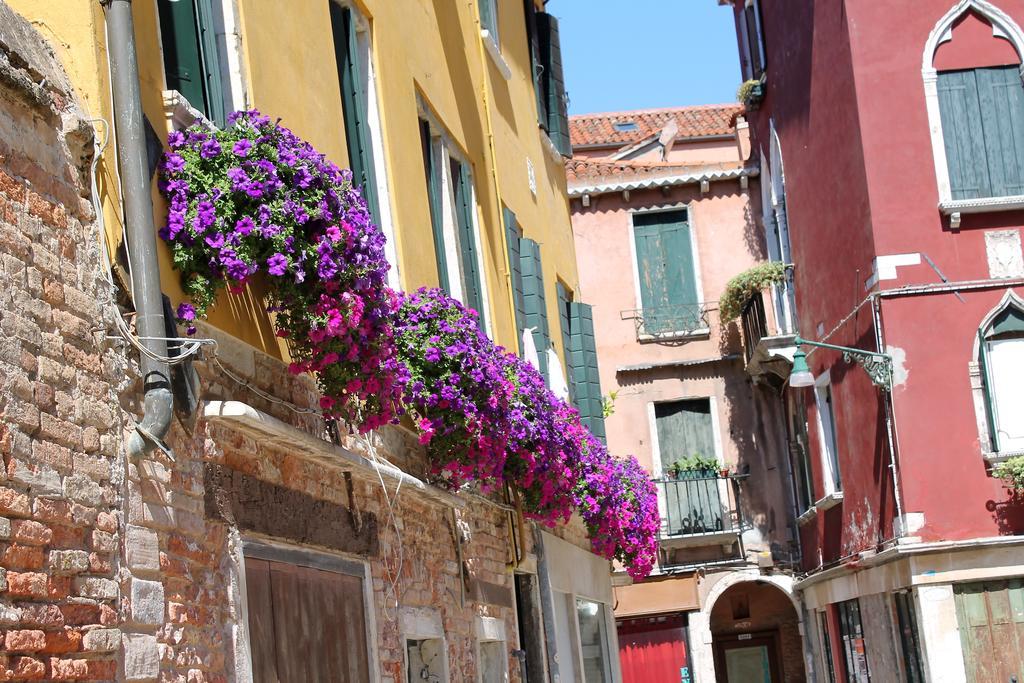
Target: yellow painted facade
x=423 y=51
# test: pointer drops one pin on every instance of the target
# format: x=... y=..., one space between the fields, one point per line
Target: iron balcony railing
x=666 y=322
x=696 y=504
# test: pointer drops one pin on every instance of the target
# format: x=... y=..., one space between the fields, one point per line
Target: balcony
x=768 y=335
x=672 y=322
x=701 y=519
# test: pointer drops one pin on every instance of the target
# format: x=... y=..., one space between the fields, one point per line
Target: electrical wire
x=391 y=590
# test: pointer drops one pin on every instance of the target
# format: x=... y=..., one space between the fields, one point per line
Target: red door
x=654 y=650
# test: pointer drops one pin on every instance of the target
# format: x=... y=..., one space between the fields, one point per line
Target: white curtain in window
x=1006 y=371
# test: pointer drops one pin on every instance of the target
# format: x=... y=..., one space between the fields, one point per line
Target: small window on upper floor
x=199 y=60
x=827 y=434
x=975 y=103
x=1001 y=374
x=489 y=19
x=548 y=80
x=753 y=39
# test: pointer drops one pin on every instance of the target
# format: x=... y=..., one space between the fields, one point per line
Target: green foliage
x=750 y=92
x=1011 y=471
x=695 y=463
x=745 y=285
x=608 y=403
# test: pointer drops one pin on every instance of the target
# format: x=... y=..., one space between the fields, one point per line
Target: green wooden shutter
x=554 y=83
x=191 y=63
x=488 y=17
x=668 y=281
x=583 y=369
x=533 y=298
x=354 y=105
x=472 y=293
x=963 y=135
x=530 y=11
x=433 y=174
x=986 y=390
x=513 y=234
x=1001 y=98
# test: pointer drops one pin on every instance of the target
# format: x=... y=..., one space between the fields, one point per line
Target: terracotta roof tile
x=699 y=121
x=589 y=173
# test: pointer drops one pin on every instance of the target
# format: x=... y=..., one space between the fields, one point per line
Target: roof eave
x=663 y=181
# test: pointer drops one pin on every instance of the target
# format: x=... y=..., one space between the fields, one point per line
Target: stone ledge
x=267 y=429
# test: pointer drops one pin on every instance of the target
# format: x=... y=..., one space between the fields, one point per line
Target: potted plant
x=693 y=467
x=751 y=93
x=1011 y=471
x=724 y=470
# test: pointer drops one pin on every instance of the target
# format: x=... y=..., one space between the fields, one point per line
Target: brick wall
x=59 y=531
x=130 y=570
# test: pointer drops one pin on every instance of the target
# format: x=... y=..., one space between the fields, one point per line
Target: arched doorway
x=755 y=631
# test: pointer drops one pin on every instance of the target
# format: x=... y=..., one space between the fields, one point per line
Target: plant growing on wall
x=1011 y=471
x=253 y=199
x=742 y=287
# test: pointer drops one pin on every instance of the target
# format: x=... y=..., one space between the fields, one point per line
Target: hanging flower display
x=254 y=198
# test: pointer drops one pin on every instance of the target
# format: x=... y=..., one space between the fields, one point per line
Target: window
x=314 y=603
x=1001 y=369
x=982 y=118
x=691 y=504
x=548 y=79
x=593 y=629
x=452 y=205
x=798 y=451
x=351 y=58
x=827 y=433
x=426 y=660
x=910 y=641
x=666 y=275
x=534 y=302
x=530 y=623
x=624 y=126
x=852 y=635
x=826 y=647
x=753 y=40
x=191 y=36
x=489 y=19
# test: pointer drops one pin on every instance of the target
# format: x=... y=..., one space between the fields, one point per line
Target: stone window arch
x=997 y=379
x=971 y=177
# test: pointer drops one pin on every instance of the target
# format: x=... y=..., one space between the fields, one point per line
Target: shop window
x=910 y=641
x=593 y=630
x=851 y=634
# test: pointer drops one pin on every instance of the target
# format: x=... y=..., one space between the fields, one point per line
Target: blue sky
x=646 y=53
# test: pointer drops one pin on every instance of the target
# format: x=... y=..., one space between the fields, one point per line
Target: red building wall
x=846 y=96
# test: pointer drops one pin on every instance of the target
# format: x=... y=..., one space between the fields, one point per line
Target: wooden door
x=990 y=615
x=305 y=624
x=748 y=658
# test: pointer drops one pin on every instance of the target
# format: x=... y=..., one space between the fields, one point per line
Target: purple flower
x=244 y=226
x=175 y=139
x=277 y=264
x=242 y=147
x=186 y=312
x=215 y=240
x=173 y=163
x=210 y=149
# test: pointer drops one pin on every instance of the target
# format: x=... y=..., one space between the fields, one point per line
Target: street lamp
x=877 y=365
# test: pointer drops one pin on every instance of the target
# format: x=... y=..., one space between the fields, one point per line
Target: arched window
x=1000 y=371
x=975 y=102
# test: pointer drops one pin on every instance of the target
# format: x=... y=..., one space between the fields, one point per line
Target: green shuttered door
x=583 y=370
x=533 y=298
x=982 y=113
x=354 y=105
x=513 y=233
x=433 y=177
x=668 y=283
x=472 y=293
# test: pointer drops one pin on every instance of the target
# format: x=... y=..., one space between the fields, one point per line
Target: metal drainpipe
x=140 y=227
x=876 y=311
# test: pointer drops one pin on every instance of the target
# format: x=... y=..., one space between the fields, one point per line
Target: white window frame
x=242 y=545
x=604 y=610
x=829 y=459
x=1002 y=26
x=491 y=37
x=444 y=150
x=1009 y=300
x=698 y=282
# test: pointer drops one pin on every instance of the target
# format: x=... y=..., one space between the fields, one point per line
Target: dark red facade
x=846 y=97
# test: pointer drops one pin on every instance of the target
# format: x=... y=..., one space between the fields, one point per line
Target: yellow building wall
x=429 y=49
